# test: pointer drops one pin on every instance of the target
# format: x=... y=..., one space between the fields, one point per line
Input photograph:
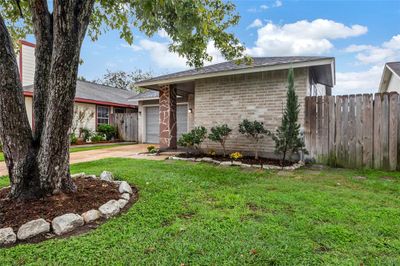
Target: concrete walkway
x=124 y=151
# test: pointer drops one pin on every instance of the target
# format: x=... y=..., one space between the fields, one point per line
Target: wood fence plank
x=325 y=127
x=307 y=109
x=345 y=123
x=331 y=126
x=352 y=132
x=377 y=131
x=385 y=131
x=319 y=127
x=313 y=126
x=393 y=127
x=358 y=131
x=338 y=129
x=367 y=130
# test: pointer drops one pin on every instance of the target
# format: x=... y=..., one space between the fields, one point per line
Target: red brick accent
x=168 y=117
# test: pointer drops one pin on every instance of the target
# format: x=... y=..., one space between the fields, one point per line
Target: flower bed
x=261 y=163
x=33 y=221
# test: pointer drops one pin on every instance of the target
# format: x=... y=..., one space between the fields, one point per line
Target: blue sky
x=362 y=35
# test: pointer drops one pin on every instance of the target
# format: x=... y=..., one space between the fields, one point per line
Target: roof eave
x=324 y=61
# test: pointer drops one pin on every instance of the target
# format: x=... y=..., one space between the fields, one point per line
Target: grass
x=82 y=148
x=199 y=214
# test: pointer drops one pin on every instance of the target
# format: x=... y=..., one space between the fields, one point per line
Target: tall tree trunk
x=15 y=134
x=43 y=29
x=69 y=27
x=39 y=165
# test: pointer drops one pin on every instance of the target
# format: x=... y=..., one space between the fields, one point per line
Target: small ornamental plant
x=220 y=134
x=193 y=139
x=150 y=148
x=254 y=131
x=212 y=152
x=236 y=156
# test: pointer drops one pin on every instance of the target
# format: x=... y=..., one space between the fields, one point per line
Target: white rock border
x=234 y=163
x=71 y=221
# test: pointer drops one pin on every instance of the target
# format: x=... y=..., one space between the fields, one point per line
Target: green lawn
x=199 y=214
x=81 y=148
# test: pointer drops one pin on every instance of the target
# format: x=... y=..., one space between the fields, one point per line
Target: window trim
x=97 y=115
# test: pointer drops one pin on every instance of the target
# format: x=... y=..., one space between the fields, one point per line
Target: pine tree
x=287 y=137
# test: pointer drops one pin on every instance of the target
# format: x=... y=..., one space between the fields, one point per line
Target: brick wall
x=256 y=96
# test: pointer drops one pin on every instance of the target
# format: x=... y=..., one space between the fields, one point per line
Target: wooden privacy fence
x=354 y=131
x=127 y=125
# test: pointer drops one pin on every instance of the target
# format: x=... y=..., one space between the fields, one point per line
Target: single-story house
x=390 y=80
x=227 y=93
x=94 y=103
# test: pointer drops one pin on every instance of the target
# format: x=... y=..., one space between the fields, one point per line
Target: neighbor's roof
x=147 y=95
x=229 y=68
x=395 y=67
x=91 y=92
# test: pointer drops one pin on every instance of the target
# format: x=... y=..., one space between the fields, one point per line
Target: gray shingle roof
x=395 y=66
x=231 y=65
x=149 y=94
x=97 y=92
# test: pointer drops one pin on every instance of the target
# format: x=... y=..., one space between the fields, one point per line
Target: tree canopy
x=191 y=25
x=124 y=80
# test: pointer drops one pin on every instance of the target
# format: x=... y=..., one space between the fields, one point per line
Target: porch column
x=168 y=117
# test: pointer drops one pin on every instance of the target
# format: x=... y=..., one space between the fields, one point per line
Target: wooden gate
x=354 y=131
x=127 y=126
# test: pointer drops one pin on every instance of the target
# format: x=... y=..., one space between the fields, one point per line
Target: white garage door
x=182 y=117
x=153 y=124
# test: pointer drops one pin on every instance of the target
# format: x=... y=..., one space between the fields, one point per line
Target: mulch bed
x=245 y=159
x=91 y=194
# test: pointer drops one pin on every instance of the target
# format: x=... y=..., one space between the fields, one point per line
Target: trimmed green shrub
x=85 y=134
x=254 y=131
x=193 y=139
x=108 y=130
x=220 y=134
x=97 y=137
x=72 y=138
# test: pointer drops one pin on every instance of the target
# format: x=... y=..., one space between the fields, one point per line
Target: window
x=103 y=115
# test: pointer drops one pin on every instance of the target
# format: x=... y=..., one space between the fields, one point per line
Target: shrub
x=254 y=131
x=97 y=137
x=212 y=152
x=194 y=138
x=108 y=130
x=150 y=148
x=236 y=155
x=72 y=138
x=287 y=136
x=220 y=134
x=85 y=134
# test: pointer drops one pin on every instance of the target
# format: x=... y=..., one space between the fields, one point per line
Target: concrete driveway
x=124 y=151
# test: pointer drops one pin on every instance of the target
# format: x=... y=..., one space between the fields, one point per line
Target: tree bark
x=70 y=22
x=43 y=29
x=38 y=163
x=15 y=133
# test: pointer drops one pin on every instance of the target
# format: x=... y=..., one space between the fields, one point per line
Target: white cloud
x=302 y=37
x=264 y=7
x=255 y=24
x=160 y=55
x=369 y=54
x=358 y=81
x=278 y=3
x=134 y=47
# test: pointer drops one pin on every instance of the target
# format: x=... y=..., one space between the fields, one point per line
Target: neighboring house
x=228 y=93
x=94 y=103
x=390 y=80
